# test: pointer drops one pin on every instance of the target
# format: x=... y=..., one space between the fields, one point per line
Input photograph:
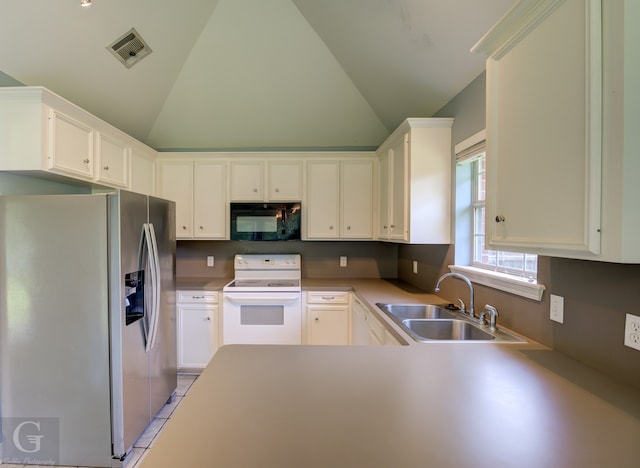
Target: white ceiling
x=229 y=74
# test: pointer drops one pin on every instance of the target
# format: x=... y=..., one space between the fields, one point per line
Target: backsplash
x=319 y=259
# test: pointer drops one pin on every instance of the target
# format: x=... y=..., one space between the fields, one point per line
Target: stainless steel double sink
x=432 y=322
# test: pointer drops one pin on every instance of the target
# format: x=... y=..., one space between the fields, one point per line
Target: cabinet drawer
x=195 y=296
x=331 y=297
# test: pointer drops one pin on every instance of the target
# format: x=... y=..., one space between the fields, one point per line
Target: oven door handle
x=258 y=298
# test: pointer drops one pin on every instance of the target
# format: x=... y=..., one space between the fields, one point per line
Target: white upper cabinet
x=247 y=180
x=41 y=131
x=113 y=160
x=339 y=198
x=323 y=200
x=356 y=198
x=561 y=99
x=543 y=129
x=198 y=186
x=209 y=207
x=71 y=148
x=143 y=170
x=414 y=202
x=175 y=182
x=285 y=180
x=266 y=179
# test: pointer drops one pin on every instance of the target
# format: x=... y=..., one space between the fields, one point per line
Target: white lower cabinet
x=197 y=328
x=366 y=329
x=327 y=315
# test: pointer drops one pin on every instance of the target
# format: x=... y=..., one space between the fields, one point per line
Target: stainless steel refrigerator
x=87 y=324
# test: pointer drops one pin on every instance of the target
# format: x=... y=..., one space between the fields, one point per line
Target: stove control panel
x=267 y=262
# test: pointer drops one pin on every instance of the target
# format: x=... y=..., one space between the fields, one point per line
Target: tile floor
x=145 y=441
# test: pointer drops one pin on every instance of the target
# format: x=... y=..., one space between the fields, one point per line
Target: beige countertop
x=475 y=405
x=440 y=405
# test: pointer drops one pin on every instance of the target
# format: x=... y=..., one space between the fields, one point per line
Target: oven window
x=262 y=314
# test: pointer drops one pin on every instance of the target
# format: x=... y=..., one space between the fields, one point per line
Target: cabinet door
x=176 y=183
x=143 y=172
x=197 y=335
x=113 y=161
x=384 y=195
x=71 y=146
x=209 y=206
x=359 y=324
x=285 y=180
x=398 y=154
x=247 y=180
x=323 y=195
x=328 y=325
x=543 y=134
x=356 y=194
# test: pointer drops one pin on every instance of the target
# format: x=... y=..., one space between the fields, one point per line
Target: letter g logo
x=34 y=440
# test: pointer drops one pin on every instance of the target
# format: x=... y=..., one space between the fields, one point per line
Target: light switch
x=210 y=260
x=415 y=266
x=343 y=261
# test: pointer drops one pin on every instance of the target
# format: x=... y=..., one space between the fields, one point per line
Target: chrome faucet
x=493 y=317
x=466 y=280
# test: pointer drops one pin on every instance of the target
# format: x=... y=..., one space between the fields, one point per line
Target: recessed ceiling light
x=85 y=3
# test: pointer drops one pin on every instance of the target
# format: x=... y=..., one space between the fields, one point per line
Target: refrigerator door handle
x=152 y=246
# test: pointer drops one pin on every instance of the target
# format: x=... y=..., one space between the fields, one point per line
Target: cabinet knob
x=86 y=161
x=184 y=228
x=499 y=219
x=208 y=318
x=277 y=190
x=392 y=226
x=330 y=227
x=348 y=228
x=255 y=190
x=201 y=227
x=317 y=319
x=106 y=168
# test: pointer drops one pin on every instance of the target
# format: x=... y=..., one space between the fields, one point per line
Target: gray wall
x=596 y=295
x=319 y=259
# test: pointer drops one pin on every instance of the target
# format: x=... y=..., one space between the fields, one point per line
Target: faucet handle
x=462 y=306
x=493 y=316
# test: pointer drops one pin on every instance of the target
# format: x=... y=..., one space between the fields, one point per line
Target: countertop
x=440 y=405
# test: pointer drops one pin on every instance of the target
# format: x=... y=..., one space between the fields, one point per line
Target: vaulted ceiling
x=250 y=74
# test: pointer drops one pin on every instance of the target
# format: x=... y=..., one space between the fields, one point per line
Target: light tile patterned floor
x=148 y=436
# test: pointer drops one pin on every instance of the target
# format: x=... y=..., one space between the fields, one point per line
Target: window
x=512 y=272
x=514 y=263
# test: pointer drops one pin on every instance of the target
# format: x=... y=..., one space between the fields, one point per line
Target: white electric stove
x=262 y=305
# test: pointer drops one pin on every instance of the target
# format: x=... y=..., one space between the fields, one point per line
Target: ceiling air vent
x=130 y=48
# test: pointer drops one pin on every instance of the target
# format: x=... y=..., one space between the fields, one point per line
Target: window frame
x=466 y=200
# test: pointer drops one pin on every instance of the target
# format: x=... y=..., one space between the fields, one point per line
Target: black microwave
x=265 y=221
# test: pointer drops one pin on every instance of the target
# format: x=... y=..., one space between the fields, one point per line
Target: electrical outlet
x=557 y=308
x=415 y=267
x=632 y=331
x=343 y=261
x=210 y=260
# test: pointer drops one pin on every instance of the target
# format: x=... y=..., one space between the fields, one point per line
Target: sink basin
x=445 y=330
x=431 y=322
x=416 y=311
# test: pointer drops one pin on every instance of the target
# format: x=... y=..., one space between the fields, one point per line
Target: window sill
x=501 y=281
